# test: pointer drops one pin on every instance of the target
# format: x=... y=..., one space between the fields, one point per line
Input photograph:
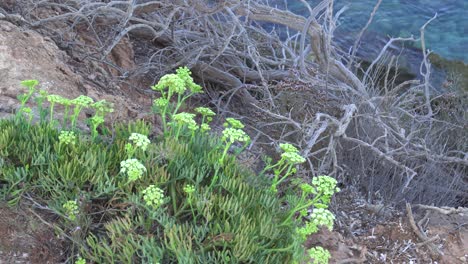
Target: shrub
x=178 y=199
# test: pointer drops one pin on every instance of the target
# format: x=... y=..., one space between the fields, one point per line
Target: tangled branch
x=284 y=67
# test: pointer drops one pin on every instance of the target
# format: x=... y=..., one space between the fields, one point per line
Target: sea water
x=447 y=35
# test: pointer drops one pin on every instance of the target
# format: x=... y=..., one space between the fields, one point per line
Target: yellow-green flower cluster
x=161 y=102
x=71 y=209
x=305 y=231
x=291 y=154
x=319 y=217
x=286 y=147
x=319 y=255
x=293 y=157
x=103 y=107
x=30 y=83
x=207 y=117
x=28 y=112
x=234 y=123
x=80 y=260
x=62 y=100
x=133 y=168
x=186 y=119
x=139 y=140
x=171 y=81
x=205 y=127
x=83 y=101
x=322 y=217
x=189 y=189
x=325 y=185
x=153 y=196
x=205 y=111
x=96 y=120
x=53 y=98
x=233 y=134
x=67 y=137
x=233 y=131
x=185 y=74
x=307 y=188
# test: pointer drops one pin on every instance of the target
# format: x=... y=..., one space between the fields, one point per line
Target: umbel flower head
x=103 y=106
x=325 y=185
x=291 y=154
x=139 y=140
x=83 y=101
x=185 y=74
x=322 y=217
x=97 y=120
x=53 y=98
x=186 y=119
x=133 y=168
x=80 y=260
x=178 y=83
x=205 y=111
x=161 y=102
x=205 y=127
x=67 y=137
x=234 y=123
x=172 y=82
x=293 y=157
x=30 y=84
x=319 y=217
x=153 y=196
x=188 y=189
x=233 y=134
x=307 y=188
x=319 y=255
x=286 y=147
x=233 y=131
x=71 y=209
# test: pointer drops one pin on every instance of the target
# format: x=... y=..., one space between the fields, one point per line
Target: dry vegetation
x=281 y=73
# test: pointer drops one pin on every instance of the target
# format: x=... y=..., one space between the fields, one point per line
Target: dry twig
x=436 y=252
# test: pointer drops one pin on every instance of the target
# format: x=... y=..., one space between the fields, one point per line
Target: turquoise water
x=447 y=35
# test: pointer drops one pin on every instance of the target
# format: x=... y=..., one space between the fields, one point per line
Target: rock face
x=25 y=54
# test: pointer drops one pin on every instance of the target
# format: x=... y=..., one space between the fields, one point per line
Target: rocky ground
x=364 y=233
x=26 y=238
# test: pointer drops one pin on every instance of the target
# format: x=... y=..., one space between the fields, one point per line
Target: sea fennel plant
x=180 y=198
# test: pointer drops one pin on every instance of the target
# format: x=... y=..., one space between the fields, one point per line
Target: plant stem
x=65 y=115
x=51 y=112
x=285 y=175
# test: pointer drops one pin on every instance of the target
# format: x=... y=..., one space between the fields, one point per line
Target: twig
x=422 y=236
x=444 y=210
x=430 y=240
x=358 y=39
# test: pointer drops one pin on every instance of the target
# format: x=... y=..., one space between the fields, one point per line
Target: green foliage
x=71 y=209
x=319 y=255
x=180 y=198
x=80 y=261
x=285 y=166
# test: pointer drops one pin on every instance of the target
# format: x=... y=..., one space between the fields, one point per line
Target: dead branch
x=361 y=33
x=390 y=136
x=443 y=210
x=436 y=252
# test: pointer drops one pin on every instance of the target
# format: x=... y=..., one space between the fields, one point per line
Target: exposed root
x=426 y=241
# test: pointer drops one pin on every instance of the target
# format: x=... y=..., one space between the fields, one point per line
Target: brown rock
x=25 y=54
